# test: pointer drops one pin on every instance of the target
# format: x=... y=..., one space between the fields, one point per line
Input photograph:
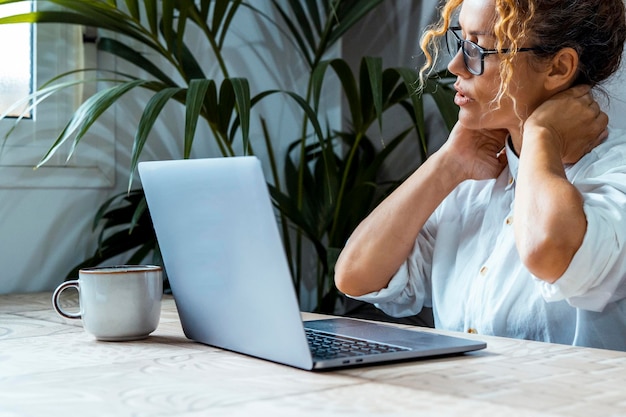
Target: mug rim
x=119 y=269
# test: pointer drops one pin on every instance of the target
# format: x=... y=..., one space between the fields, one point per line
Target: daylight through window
x=16 y=80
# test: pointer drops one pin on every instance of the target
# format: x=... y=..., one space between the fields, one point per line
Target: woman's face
x=475 y=93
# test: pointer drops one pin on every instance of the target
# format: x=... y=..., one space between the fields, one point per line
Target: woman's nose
x=457 y=66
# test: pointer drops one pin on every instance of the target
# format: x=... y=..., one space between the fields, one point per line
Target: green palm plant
x=159 y=26
x=329 y=181
x=340 y=184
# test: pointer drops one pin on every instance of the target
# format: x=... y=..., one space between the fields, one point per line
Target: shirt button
x=510 y=180
x=509 y=220
x=483 y=270
x=472 y=330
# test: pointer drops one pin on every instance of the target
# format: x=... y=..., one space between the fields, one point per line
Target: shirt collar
x=512 y=159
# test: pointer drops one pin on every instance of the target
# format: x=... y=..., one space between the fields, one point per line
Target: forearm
x=386 y=237
x=550 y=223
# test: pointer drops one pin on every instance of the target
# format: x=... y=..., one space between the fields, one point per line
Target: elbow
x=547 y=260
x=347 y=282
x=547 y=250
x=350 y=281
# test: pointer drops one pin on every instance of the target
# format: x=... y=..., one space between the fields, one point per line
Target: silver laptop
x=217 y=231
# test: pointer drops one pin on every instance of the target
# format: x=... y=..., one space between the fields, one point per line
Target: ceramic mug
x=117 y=303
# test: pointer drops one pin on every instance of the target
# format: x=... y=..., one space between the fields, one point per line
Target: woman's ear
x=562 y=70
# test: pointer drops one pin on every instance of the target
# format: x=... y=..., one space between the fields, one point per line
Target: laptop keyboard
x=331 y=346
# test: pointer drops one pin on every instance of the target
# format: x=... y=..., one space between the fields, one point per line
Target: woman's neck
x=516 y=140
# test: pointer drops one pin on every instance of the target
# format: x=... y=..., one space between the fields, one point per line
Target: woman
x=517 y=226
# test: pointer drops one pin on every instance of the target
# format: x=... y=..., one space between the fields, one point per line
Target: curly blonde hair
x=596 y=29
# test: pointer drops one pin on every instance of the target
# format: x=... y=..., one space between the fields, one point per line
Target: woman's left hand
x=575 y=122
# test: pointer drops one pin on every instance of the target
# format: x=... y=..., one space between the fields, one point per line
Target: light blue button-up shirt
x=465 y=264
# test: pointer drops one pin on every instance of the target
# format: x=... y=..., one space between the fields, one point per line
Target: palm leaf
x=195 y=98
x=87 y=114
x=301 y=102
x=241 y=90
x=151 y=8
x=140 y=212
x=167 y=24
x=375 y=75
x=409 y=78
x=222 y=20
x=350 y=89
x=133 y=8
x=150 y=114
x=348 y=14
x=443 y=95
x=287 y=206
x=299 y=39
x=128 y=54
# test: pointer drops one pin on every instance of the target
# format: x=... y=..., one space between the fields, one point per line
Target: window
x=54 y=49
x=16 y=74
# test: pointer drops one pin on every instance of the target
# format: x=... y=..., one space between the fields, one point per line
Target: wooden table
x=50 y=367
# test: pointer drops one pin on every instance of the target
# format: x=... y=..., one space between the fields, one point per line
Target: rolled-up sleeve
x=402 y=297
x=596 y=275
x=409 y=289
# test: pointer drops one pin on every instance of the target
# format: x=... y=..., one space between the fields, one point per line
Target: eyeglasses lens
x=471 y=52
x=472 y=57
x=453 y=43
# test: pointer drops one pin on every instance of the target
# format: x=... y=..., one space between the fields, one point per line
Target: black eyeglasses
x=473 y=54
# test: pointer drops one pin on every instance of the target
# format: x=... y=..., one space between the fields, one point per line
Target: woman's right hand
x=384 y=240
x=477 y=154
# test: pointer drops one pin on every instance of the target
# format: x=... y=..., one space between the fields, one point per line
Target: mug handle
x=57 y=294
